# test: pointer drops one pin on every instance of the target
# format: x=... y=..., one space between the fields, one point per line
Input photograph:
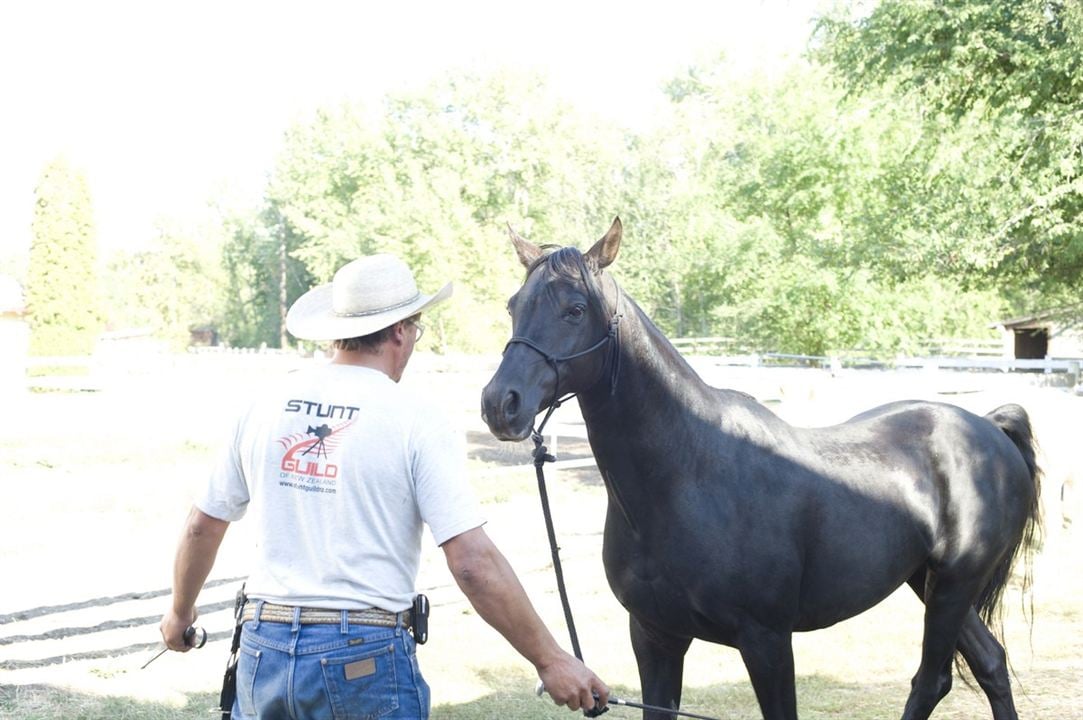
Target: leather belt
x=323 y=616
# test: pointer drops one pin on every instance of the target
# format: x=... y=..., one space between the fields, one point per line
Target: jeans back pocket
x=361 y=685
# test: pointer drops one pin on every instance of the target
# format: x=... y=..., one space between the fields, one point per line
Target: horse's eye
x=576 y=311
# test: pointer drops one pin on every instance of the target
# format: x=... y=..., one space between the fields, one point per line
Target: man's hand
x=173 y=627
x=484 y=575
x=569 y=682
x=196 y=551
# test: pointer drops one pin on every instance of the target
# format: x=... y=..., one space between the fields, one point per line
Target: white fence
x=937 y=353
x=88 y=372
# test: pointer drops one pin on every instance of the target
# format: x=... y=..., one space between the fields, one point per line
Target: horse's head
x=562 y=333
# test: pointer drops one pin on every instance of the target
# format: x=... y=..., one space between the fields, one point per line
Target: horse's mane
x=568 y=262
x=572 y=264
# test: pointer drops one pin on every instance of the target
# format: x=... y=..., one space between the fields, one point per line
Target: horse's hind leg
x=985 y=656
x=660 y=657
x=917 y=584
x=987 y=660
x=946 y=606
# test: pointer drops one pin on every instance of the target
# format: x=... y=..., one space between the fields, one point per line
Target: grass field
x=97 y=484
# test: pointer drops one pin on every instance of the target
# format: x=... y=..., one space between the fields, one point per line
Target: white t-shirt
x=343 y=465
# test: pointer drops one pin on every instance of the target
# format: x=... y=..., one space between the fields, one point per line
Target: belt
x=323 y=616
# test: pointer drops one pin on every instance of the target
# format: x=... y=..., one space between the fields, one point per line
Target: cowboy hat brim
x=312 y=316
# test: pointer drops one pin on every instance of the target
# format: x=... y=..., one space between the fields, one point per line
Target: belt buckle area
x=272 y=612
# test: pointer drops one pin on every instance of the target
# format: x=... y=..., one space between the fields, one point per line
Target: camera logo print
x=307 y=456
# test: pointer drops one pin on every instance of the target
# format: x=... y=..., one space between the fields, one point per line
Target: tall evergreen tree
x=62 y=284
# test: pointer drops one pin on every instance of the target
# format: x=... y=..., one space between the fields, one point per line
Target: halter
x=611 y=336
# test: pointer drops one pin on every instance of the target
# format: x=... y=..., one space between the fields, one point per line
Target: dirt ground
x=96 y=486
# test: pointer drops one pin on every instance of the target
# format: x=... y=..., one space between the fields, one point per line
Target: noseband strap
x=612 y=336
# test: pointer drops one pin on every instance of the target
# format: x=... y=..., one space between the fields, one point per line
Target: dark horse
x=727 y=524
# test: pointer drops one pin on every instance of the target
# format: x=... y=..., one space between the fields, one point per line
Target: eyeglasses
x=420 y=329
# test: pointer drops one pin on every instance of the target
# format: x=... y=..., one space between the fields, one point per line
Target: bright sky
x=164 y=105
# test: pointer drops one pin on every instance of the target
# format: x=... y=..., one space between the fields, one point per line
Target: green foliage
x=62 y=282
x=1003 y=80
x=261 y=279
x=169 y=288
x=434 y=180
x=921 y=182
x=964 y=54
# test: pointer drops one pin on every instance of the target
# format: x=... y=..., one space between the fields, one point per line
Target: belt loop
x=259 y=612
x=296 y=626
x=344 y=626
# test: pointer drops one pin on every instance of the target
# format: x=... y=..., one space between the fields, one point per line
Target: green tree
x=261 y=277
x=1008 y=74
x=782 y=214
x=435 y=178
x=62 y=280
x=169 y=288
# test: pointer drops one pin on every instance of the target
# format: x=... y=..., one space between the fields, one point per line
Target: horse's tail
x=1014 y=422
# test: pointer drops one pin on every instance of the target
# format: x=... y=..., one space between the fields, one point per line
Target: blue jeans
x=328 y=672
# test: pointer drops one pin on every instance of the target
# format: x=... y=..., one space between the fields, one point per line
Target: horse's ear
x=605 y=250
x=527 y=251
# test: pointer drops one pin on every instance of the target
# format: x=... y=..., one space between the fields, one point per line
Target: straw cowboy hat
x=366 y=295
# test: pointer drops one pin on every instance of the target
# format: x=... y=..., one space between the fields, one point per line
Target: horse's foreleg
x=660 y=657
x=768 y=657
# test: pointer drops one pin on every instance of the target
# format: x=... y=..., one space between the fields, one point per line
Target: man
x=344 y=466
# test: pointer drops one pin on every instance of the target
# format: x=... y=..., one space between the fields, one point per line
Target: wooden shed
x=1049 y=334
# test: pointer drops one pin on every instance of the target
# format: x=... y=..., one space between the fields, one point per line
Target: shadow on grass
x=484 y=447
x=819 y=698
x=512 y=697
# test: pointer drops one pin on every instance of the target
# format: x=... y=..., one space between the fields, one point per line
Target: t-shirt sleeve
x=225 y=495
x=444 y=497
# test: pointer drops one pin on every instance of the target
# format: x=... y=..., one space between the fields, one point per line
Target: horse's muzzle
x=503 y=411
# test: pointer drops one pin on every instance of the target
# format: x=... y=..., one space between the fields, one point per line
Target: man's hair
x=372 y=341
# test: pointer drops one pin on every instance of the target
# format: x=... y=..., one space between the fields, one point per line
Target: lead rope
x=542 y=456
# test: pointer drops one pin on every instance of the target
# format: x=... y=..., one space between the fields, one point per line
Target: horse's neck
x=652 y=380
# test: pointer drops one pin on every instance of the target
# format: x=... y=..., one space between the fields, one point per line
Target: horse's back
x=902 y=486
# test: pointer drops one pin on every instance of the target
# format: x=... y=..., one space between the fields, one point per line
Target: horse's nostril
x=511 y=404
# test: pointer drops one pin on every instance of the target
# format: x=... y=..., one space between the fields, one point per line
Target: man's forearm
x=196 y=553
x=493 y=589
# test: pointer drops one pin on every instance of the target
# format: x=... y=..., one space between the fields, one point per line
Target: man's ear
x=527 y=251
x=398 y=331
x=605 y=250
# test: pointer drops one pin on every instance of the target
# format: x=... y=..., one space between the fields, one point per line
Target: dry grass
x=97 y=485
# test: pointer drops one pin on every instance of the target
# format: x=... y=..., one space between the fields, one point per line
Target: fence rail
x=969 y=347
x=944 y=353
x=936 y=347
x=976 y=354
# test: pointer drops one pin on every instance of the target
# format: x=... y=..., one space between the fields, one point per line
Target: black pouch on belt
x=419 y=619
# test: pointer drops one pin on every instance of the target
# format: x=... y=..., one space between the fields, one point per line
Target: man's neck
x=383 y=361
